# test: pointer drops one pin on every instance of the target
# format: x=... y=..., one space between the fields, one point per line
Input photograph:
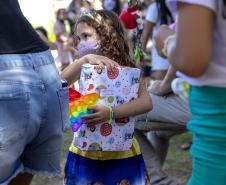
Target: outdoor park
x=112 y=92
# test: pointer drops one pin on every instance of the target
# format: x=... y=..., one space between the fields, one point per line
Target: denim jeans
x=33 y=115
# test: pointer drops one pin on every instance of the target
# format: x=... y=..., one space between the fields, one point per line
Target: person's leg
x=160 y=142
x=152 y=162
x=160 y=145
x=14 y=118
x=158 y=75
x=22 y=179
x=170 y=109
x=42 y=155
x=33 y=111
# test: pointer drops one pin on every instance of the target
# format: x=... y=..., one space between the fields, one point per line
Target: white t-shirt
x=152 y=13
x=215 y=75
x=158 y=63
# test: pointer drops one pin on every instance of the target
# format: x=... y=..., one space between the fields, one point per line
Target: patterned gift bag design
x=114 y=88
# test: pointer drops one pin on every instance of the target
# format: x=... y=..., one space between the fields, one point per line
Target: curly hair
x=111 y=33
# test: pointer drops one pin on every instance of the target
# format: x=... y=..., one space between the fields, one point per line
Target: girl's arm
x=191 y=51
x=139 y=106
x=72 y=73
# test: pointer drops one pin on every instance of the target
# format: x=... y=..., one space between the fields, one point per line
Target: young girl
x=198 y=51
x=100 y=32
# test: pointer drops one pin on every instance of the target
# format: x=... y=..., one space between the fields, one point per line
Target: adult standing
x=33 y=103
x=198 y=51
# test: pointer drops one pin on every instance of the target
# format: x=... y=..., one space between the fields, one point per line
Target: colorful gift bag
x=114 y=88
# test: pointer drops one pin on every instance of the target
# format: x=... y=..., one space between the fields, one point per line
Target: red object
x=84 y=144
x=105 y=129
x=74 y=95
x=113 y=74
x=91 y=86
x=128 y=18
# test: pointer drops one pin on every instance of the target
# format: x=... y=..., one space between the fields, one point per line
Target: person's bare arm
x=147 y=33
x=139 y=106
x=72 y=73
x=194 y=43
x=163 y=87
x=170 y=76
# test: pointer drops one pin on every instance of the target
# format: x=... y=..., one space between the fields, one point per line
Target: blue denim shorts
x=33 y=115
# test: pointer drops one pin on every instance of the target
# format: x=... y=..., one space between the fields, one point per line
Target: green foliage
x=138 y=54
x=133 y=3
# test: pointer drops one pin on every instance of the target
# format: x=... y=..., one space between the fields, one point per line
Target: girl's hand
x=160 y=36
x=100 y=60
x=102 y=114
x=72 y=72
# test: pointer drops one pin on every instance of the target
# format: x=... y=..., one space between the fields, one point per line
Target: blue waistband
x=23 y=60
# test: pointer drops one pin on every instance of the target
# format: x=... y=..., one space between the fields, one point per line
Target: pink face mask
x=88 y=47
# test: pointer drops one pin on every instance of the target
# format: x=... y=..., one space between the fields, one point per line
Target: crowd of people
x=65 y=38
x=188 y=47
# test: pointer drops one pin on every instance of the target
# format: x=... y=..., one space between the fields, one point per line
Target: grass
x=41 y=180
x=178 y=163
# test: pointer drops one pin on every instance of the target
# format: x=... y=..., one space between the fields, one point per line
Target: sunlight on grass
x=178 y=163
